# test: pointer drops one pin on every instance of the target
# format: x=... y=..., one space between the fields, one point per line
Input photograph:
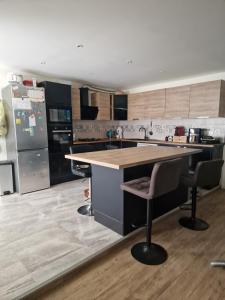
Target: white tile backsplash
x=93 y=129
x=160 y=127
x=165 y=127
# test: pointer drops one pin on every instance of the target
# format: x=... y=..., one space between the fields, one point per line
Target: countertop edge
x=128 y=165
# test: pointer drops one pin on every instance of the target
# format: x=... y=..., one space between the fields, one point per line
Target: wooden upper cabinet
x=102 y=100
x=135 y=111
x=75 y=103
x=222 y=99
x=146 y=105
x=207 y=99
x=177 y=102
x=191 y=101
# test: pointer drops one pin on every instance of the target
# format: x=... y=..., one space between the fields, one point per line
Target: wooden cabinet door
x=102 y=100
x=75 y=103
x=222 y=99
x=205 y=99
x=146 y=105
x=177 y=102
x=135 y=110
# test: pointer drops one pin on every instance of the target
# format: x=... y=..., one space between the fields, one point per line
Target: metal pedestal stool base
x=86 y=210
x=152 y=254
x=193 y=223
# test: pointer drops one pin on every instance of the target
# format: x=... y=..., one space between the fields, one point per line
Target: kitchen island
x=121 y=211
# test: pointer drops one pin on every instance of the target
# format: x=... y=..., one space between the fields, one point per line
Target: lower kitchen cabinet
x=60 y=168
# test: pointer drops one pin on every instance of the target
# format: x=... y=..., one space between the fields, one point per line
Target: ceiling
x=164 y=39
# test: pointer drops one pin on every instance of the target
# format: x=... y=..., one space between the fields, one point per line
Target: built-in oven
x=60 y=138
x=59 y=115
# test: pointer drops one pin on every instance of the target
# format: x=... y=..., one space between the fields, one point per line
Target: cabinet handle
x=61 y=131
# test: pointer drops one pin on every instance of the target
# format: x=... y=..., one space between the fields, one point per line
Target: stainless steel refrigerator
x=27 y=141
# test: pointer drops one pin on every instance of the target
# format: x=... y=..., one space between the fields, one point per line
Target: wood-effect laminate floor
x=185 y=275
x=42 y=236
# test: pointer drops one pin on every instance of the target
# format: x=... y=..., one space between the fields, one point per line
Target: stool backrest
x=165 y=177
x=75 y=164
x=208 y=173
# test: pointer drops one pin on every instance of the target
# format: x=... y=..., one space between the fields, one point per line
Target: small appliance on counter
x=169 y=138
x=200 y=136
x=179 y=131
x=208 y=140
x=110 y=133
x=119 y=133
x=194 y=135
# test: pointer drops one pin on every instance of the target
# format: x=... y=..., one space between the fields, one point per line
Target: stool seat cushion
x=139 y=187
x=164 y=178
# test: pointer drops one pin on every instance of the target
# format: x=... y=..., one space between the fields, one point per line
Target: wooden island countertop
x=129 y=157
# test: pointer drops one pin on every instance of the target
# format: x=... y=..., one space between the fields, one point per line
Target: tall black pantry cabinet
x=60 y=130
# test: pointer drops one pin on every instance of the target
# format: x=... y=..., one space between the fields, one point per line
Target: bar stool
x=207 y=174
x=164 y=179
x=82 y=170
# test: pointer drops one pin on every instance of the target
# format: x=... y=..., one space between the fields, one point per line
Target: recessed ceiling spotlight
x=43 y=62
x=80 y=46
x=161 y=71
x=130 y=61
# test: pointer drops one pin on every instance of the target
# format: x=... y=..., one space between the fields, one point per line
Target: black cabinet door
x=120 y=114
x=56 y=94
x=60 y=168
x=84 y=96
x=120 y=107
x=120 y=101
x=99 y=146
x=128 y=144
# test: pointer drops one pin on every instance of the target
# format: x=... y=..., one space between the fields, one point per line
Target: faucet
x=142 y=128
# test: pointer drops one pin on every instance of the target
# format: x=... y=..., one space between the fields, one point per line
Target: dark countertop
x=96 y=141
x=160 y=142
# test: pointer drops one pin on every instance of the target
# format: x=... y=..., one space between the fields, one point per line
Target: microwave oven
x=60 y=115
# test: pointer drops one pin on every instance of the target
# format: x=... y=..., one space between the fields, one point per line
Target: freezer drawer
x=33 y=168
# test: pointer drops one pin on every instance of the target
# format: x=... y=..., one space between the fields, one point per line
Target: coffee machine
x=194 y=135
